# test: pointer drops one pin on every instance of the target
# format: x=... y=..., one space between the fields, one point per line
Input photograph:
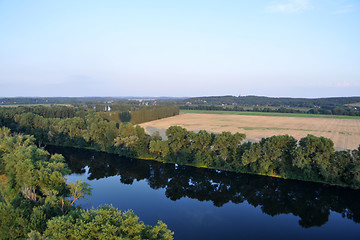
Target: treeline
x=53 y=111
x=37 y=202
x=310 y=159
x=337 y=110
x=127 y=106
x=240 y=109
x=88 y=101
x=326 y=110
x=271 y=101
x=141 y=115
x=147 y=115
x=62 y=100
x=120 y=113
x=92 y=131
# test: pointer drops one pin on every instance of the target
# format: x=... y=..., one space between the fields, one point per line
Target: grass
x=270 y=114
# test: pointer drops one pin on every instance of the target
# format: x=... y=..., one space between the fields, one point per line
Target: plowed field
x=344 y=132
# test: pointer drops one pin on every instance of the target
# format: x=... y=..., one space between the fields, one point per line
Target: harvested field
x=344 y=132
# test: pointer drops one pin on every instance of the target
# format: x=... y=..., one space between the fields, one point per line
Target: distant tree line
x=330 y=106
x=141 y=115
x=146 y=115
x=107 y=107
x=240 y=109
x=53 y=111
x=79 y=101
x=117 y=112
x=37 y=202
x=326 y=110
x=271 y=101
x=310 y=159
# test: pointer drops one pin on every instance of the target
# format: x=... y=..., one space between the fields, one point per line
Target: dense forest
x=37 y=202
x=310 y=159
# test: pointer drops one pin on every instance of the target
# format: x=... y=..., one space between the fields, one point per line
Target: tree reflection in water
x=311 y=202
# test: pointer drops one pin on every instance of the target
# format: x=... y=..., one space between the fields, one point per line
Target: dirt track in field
x=344 y=132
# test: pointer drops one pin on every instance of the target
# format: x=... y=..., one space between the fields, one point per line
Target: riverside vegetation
x=310 y=159
x=37 y=202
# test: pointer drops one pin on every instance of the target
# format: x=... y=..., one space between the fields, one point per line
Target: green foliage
x=225 y=144
x=131 y=141
x=135 y=114
x=43 y=206
x=150 y=114
x=160 y=148
x=178 y=138
x=37 y=189
x=313 y=156
x=204 y=158
x=271 y=155
x=106 y=222
x=125 y=116
x=13 y=224
x=203 y=141
x=100 y=131
x=78 y=190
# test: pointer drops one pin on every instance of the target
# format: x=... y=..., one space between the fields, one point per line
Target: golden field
x=344 y=132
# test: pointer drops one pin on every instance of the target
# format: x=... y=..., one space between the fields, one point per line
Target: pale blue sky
x=296 y=48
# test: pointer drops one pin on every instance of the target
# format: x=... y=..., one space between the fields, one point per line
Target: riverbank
x=197 y=165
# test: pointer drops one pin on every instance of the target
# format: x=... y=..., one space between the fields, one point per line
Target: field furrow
x=344 y=132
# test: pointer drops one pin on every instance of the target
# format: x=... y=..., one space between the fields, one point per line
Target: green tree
x=160 y=148
x=78 y=190
x=202 y=141
x=271 y=155
x=106 y=222
x=178 y=138
x=13 y=224
x=313 y=156
x=225 y=145
x=100 y=131
x=125 y=117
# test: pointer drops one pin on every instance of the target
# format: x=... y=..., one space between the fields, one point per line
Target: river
x=209 y=204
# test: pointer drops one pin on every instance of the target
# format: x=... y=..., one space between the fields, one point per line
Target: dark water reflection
x=311 y=203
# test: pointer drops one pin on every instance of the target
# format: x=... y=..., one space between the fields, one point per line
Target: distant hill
x=272 y=101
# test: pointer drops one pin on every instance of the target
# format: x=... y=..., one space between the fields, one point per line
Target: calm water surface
x=208 y=204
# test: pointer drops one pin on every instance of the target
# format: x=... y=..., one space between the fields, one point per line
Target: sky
x=180 y=48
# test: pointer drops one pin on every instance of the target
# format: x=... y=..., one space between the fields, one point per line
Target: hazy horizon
x=194 y=96
x=280 y=48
